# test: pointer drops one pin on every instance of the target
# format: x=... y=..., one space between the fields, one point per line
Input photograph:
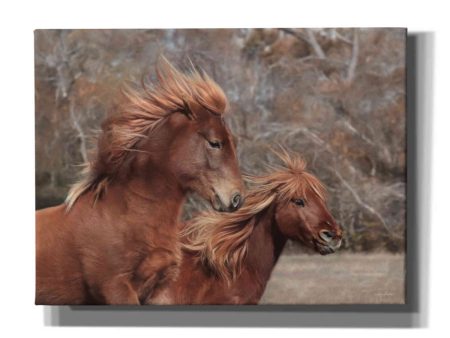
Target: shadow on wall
x=420 y=52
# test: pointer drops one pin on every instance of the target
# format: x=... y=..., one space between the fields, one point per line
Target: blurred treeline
x=336 y=96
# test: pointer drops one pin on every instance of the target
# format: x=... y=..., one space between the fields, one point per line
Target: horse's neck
x=148 y=198
x=265 y=246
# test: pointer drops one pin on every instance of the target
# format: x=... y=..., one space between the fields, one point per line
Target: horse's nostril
x=236 y=200
x=327 y=235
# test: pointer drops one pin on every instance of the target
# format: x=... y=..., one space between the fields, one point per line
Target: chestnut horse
x=228 y=258
x=114 y=241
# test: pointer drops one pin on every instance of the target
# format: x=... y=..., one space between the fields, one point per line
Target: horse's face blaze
x=204 y=160
x=308 y=220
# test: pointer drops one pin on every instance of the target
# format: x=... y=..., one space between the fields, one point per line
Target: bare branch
x=296 y=34
x=347 y=124
x=339 y=36
x=364 y=205
x=310 y=39
x=315 y=45
x=354 y=59
x=81 y=134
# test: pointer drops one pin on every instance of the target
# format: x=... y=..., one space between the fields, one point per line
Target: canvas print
x=220 y=166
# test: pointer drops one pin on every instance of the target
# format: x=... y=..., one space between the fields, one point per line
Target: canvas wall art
x=220 y=166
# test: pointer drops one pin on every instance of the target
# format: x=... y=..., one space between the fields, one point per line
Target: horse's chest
x=158 y=267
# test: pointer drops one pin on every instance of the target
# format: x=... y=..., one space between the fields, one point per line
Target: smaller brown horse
x=228 y=258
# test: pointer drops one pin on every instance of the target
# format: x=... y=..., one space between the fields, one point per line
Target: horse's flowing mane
x=220 y=240
x=142 y=111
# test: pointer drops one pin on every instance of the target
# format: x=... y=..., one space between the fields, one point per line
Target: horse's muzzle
x=234 y=203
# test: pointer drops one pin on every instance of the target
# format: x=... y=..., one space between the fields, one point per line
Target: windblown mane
x=220 y=240
x=142 y=111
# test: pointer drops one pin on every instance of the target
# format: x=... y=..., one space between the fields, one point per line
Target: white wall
x=18 y=19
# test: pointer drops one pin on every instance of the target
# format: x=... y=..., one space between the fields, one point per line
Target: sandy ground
x=337 y=279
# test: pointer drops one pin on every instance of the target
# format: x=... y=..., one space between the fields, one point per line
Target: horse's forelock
x=293 y=178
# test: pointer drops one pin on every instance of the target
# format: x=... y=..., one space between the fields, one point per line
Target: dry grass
x=337 y=279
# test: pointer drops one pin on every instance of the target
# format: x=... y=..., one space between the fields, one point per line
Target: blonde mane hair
x=143 y=110
x=220 y=240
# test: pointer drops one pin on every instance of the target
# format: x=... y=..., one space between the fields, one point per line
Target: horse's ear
x=187 y=110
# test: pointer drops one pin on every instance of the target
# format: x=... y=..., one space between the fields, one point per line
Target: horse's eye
x=299 y=202
x=215 y=144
